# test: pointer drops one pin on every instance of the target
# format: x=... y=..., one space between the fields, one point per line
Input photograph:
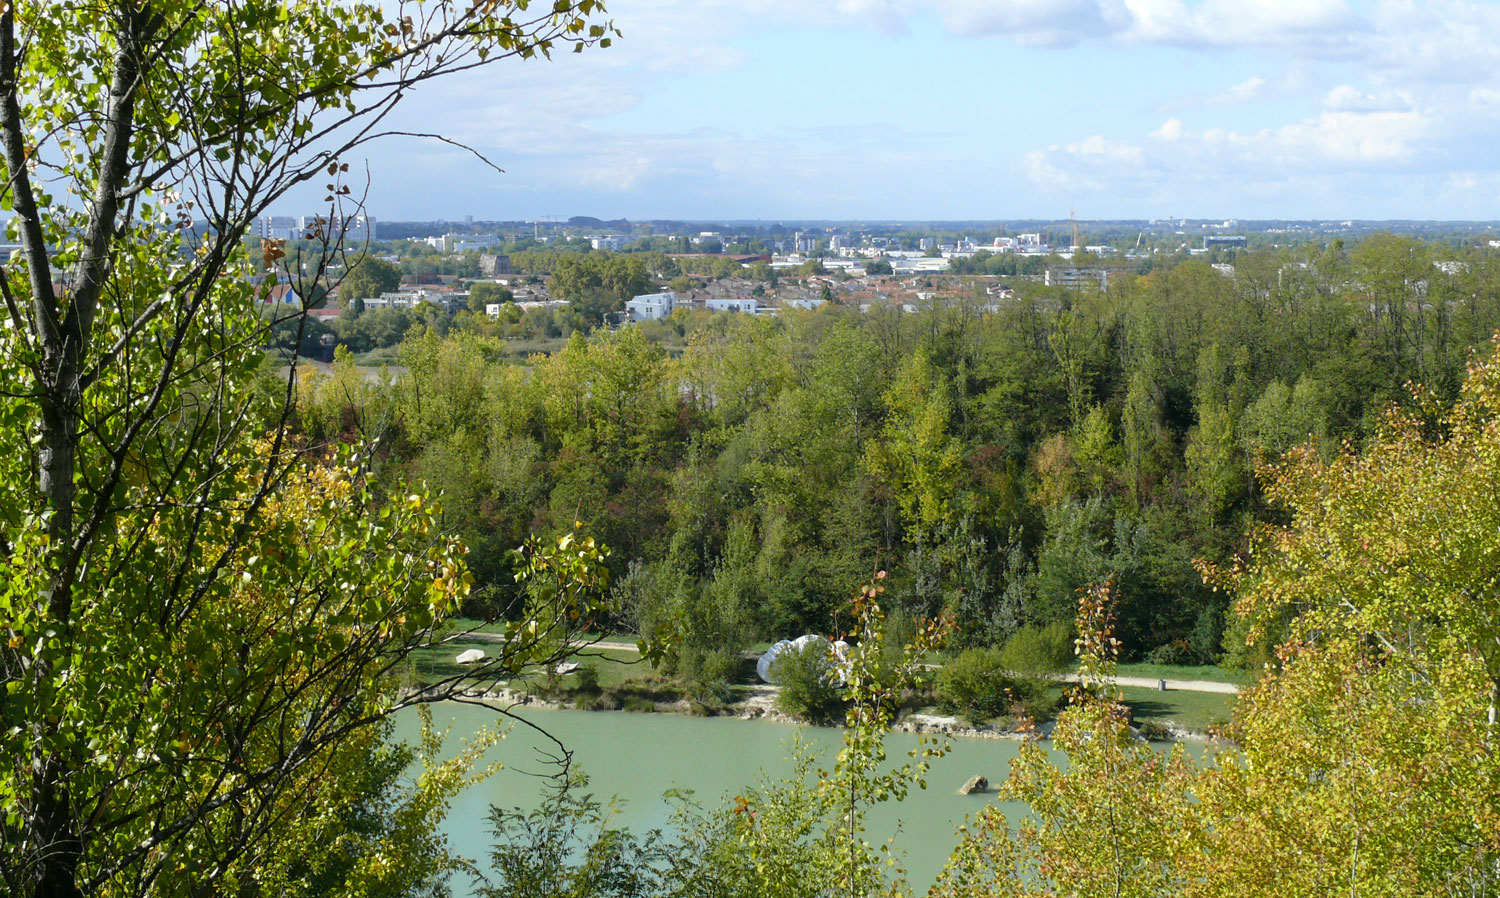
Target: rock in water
x=469 y=657
x=975 y=784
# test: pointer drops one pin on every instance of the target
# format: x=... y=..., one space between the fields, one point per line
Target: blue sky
x=976 y=109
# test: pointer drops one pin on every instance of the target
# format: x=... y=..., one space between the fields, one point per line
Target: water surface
x=639 y=756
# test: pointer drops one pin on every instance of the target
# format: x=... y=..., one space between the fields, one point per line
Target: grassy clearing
x=615 y=669
x=374 y=358
x=474 y=625
x=432 y=663
x=518 y=350
x=1196 y=711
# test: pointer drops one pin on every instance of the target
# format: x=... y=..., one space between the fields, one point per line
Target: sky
x=974 y=109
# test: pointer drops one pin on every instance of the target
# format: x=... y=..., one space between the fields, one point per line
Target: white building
x=352 y=229
x=458 y=243
x=743 y=304
x=410 y=299
x=925 y=264
x=807 y=304
x=651 y=306
x=493 y=309
x=277 y=227
x=848 y=265
x=1076 y=277
x=610 y=242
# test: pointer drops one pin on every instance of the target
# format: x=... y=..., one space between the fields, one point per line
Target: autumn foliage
x=1364 y=762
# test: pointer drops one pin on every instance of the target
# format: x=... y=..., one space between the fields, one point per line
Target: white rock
x=470 y=657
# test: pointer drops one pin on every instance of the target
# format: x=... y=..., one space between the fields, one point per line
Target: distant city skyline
x=972 y=110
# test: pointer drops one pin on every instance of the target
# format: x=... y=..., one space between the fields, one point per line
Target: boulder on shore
x=469 y=657
x=976 y=783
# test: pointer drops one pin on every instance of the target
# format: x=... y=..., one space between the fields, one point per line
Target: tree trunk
x=56 y=840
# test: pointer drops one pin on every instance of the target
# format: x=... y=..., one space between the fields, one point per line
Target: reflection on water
x=639 y=756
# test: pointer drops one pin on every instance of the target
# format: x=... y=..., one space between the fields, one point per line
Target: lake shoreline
x=761 y=707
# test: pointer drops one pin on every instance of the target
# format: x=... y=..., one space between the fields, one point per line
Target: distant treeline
x=994 y=460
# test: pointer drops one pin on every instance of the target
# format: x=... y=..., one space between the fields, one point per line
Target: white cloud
x=1102 y=150
x=1346 y=98
x=1035 y=22
x=1170 y=130
x=883 y=15
x=1333 y=143
x=1245 y=91
x=1359 y=138
x=1463 y=181
x=1085 y=164
x=1239 y=23
x=1435 y=41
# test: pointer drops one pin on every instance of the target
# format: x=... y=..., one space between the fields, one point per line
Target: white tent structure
x=838 y=653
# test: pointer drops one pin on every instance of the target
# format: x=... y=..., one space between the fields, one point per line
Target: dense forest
x=995 y=457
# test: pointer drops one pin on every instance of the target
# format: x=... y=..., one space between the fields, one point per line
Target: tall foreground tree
x=187 y=637
x=1368 y=756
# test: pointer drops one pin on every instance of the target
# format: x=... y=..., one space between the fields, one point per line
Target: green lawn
x=435 y=662
x=615 y=667
x=1196 y=711
x=474 y=625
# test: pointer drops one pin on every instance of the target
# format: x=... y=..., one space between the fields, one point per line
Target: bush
x=808 y=687
x=977 y=685
x=586 y=681
x=1154 y=731
x=707 y=673
x=1176 y=652
x=1039 y=650
x=1038 y=698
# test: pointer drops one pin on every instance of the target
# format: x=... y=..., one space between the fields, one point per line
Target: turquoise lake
x=637 y=757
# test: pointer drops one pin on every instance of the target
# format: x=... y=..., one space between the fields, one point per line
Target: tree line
x=994 y=457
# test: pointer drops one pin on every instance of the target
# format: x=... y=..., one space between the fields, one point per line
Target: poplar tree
x=194 y=620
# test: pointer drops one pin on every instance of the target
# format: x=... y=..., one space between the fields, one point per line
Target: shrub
x=1039 y=698
x=1154 y=730
x=707 y=673
x=977 y=685
x=1176 y=652
x=586 y=681
x=808 y=686
x=1039 y=650
x=487 y=602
